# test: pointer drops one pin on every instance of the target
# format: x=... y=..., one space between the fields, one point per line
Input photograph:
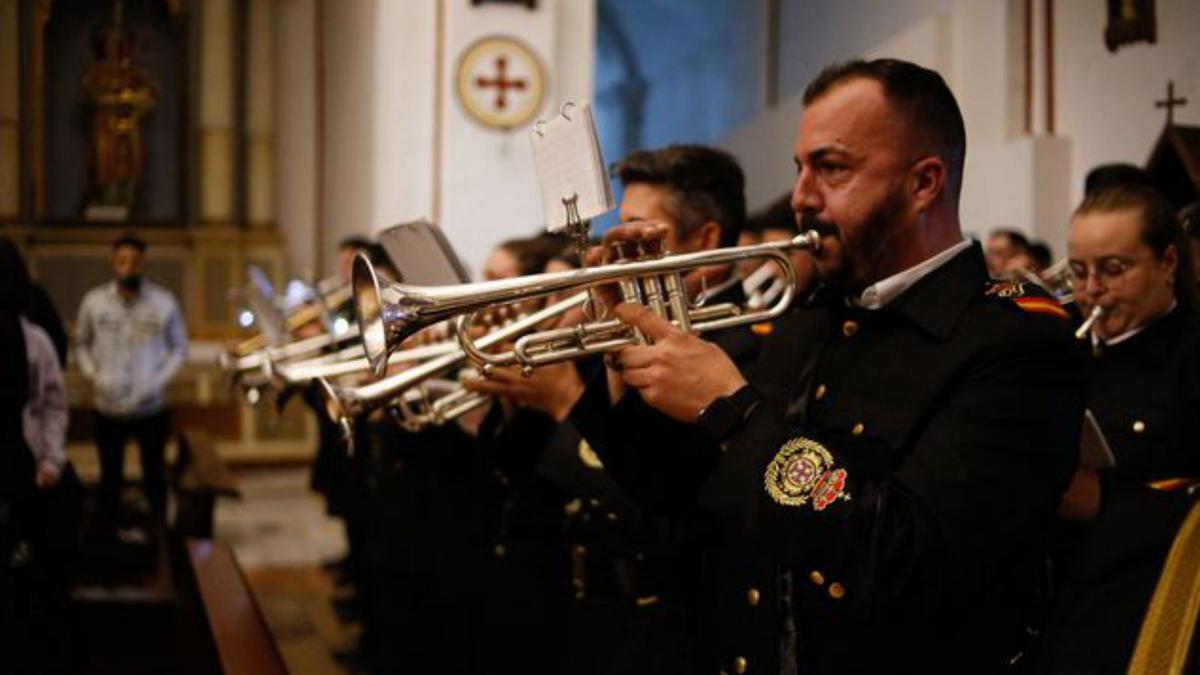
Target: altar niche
x=109 y=87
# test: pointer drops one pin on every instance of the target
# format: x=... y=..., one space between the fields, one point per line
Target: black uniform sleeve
x=660 y=462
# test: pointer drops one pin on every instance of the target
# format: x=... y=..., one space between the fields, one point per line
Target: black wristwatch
x=727 y=414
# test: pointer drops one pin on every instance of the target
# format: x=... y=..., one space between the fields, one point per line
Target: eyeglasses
x=1107 y=270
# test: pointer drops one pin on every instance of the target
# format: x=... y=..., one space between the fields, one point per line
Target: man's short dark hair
x=355 y=243
x=708 y=184
x=1014 y=237
x=778 y=215
x=1189 y=217
x=921 y=95
x=1041 y=253
x=131 y=240
x=1107 y=175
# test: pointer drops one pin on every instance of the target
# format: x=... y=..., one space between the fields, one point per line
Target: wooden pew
x=243 y=641
x=200 y=477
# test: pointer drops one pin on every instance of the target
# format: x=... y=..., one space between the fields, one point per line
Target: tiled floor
x=280 y=534
x=279 y=521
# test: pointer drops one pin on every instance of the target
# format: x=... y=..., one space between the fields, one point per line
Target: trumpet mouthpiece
x=1086 y=327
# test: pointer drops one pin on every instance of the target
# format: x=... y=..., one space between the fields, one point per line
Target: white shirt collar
x=880 y=293
x=1097 y=341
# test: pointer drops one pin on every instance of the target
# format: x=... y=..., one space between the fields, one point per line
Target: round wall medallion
x=500 y=82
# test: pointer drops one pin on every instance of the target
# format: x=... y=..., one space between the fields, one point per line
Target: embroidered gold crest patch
x=803 y=471
x=1006 y=289
x=588 y=456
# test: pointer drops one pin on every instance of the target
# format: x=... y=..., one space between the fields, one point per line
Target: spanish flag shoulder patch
x=1028 y=296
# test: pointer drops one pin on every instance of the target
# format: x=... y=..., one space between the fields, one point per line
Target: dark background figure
x=39 y=493
x=38 y=306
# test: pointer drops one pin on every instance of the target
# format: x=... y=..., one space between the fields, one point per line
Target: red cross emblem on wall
x=500 y=82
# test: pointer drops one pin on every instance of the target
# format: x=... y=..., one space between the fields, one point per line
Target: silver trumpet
x=387 y=316
x=346 y=362
x=762 y=286
x=342 y=404
x=292 y=350
x=435 y=402
x=1085 y=328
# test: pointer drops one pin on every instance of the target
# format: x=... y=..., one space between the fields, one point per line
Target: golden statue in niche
x=122 y=94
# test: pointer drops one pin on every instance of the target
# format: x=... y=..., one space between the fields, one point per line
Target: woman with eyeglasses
x=1130 y=258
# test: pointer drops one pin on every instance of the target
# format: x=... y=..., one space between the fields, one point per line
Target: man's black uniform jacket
x=902 y=467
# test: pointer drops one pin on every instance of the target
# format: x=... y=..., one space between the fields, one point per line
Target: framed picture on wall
x=1130 y=21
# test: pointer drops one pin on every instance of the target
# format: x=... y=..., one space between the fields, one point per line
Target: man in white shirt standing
x=131 y=340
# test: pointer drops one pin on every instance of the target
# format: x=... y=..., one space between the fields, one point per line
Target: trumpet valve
x=621 y=251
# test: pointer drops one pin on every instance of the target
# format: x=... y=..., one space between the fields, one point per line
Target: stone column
x=216 y=112
x=260 y=113
x=10 y=112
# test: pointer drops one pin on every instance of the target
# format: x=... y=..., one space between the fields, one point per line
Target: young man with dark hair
x=130 y=342
x=901 y=445
x=702 y=189
x=637 y=574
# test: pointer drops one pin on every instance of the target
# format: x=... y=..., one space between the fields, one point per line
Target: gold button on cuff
x=837 y=591
x=816 y=577
x=1139 y=426
x=499 y=550
x=740 y=665
x=820 y=392
x=849 y=328
x=858 y=429
x=753 y=596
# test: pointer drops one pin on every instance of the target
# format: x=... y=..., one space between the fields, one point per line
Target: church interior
x=220 y=195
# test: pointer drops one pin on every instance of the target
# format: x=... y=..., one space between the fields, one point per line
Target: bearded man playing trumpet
x=899 y=447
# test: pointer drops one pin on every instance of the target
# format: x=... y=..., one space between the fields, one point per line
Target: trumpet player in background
x=636 y=573
x=1130 y=258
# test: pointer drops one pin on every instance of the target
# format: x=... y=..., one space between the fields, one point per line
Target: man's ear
x=1169 y=261
x=709 y=235
x=927 y=182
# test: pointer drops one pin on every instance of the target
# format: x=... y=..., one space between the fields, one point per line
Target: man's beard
x=130 y=282
x=867 y=255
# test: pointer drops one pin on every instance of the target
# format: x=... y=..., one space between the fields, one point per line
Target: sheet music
x=1094 y=450
x=423 y=255
x=568 y=162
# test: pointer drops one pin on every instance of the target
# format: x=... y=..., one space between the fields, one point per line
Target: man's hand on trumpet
x=679 y=374
x=552 y=389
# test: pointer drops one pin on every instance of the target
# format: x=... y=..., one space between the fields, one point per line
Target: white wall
x=349 y=32
x=381 y=95
x=405 y=41
x=296 y=132
x=1104 y=101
